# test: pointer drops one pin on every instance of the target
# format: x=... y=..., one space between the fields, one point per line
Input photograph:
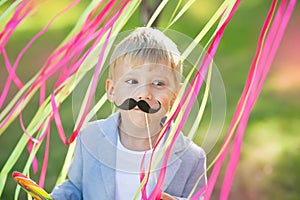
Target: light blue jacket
x=92 y=173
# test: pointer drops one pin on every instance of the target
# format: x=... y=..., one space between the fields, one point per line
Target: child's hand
x=165 y=196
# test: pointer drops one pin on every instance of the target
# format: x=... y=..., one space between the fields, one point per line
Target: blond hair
x=147 y=44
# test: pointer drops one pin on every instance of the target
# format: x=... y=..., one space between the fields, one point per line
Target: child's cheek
x=165 y=102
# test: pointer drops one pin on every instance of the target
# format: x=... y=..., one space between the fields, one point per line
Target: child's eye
x=158 y=83
x=131 y=81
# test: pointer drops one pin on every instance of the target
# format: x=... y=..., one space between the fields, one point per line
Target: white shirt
x=128 y=165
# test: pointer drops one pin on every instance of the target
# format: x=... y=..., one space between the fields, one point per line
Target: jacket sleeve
x=71 y=188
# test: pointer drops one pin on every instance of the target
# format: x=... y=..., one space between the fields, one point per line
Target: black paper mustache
x=130 y=103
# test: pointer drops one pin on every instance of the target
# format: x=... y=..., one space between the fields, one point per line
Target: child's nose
x=144 y=92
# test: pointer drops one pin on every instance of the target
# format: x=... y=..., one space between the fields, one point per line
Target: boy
x=144 y=81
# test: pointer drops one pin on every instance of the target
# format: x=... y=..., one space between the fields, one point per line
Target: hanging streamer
x=256 y=77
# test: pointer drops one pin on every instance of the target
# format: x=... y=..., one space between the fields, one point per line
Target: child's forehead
x=144 y=62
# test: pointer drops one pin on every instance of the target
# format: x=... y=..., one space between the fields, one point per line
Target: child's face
x=144 y=81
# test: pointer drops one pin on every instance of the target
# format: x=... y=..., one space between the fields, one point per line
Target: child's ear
x=109 y=87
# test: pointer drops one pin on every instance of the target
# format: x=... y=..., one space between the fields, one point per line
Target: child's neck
x=137 y=139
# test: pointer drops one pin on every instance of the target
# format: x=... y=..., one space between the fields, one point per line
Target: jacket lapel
x=109 y=146
x=108 y=176
x=174 y=164
x=171 y=170
x=102 y=145
x=175 y=161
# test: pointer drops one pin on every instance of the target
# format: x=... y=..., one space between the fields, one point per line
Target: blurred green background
x=269 y=167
